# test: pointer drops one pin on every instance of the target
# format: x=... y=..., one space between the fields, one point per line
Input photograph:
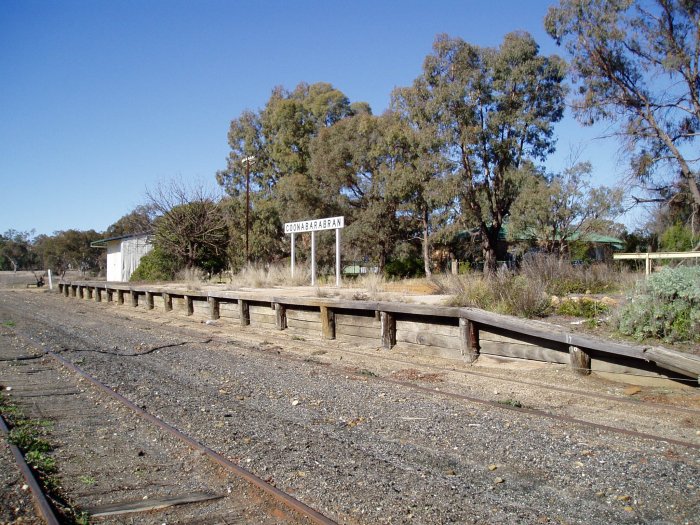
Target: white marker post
x=314 y=225
x=50 y=281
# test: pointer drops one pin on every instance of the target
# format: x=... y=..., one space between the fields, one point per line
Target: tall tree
x=70 y=250
x=354 y=165
x=16 y=251
x=637 y=65
x=423 y=178
x=497 y=110
x=279 y=138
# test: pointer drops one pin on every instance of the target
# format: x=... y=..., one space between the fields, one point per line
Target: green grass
x=9 y=324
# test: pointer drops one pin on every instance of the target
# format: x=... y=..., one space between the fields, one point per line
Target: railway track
x=208 y=370
x=223 y=491
x=452 y=390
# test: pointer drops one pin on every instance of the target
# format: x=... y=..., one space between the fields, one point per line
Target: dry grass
x=255 y=276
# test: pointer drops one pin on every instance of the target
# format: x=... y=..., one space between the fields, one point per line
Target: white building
x=124 y=254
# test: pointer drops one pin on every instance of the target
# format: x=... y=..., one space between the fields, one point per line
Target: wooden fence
x=460 y=333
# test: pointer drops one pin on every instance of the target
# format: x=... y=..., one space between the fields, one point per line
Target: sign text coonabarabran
x=314 y=225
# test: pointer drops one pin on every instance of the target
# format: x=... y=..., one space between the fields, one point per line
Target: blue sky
x=101 y=99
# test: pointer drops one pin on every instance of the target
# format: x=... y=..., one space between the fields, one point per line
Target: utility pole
x=247 y=162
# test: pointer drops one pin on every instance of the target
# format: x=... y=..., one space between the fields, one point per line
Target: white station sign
x=314 y=225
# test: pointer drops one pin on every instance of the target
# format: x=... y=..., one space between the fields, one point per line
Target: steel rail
x=42 y=504
x=286 y=499
x=289 y=501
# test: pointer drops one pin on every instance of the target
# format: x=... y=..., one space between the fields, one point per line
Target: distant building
x=124 y=254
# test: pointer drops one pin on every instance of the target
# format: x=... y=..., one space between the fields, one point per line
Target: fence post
x=214 y=311
x=388 y=324
x=245 y=312
x=580 y=361
x=327 y=323
x=468 y=339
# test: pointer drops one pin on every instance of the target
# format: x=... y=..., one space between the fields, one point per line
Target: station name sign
x=314 y=225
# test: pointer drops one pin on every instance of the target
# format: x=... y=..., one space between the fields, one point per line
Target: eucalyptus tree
x=637 y=65
x=271 y=151
x=497 y=108
x=423 y=180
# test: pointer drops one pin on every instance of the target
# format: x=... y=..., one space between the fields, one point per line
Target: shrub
x=583 y=307
x=502 y=292
x=408 y=267
x=156 y=265
x=666 y=306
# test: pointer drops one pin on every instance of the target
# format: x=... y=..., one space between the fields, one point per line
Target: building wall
x=124 y=256
x=132 y=250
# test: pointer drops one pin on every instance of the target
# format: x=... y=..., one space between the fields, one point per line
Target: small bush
x=408 y=267
x=156 y=265
x=666 y=306
x=583 y=307
x=503 y=292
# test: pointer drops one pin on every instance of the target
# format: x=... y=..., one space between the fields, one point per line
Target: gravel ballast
x=317 y=420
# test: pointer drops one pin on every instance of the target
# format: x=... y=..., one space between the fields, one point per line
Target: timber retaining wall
x=451 y=332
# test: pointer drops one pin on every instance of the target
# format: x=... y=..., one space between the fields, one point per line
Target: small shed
x=124 y=254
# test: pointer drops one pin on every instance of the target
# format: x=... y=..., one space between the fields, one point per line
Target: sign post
x=313 y=226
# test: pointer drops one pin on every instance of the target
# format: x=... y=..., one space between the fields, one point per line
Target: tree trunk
x=488 y=246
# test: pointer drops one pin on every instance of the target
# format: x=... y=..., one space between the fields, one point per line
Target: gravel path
x=316 y=419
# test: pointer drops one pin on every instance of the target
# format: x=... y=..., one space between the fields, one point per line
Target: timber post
x=149 y=300
x=280 y=316
x=327 y=323
x=468 y=339
x=388 y=325
x=167 y=302
x=214 y=309
x=244 y=312
x=98 y=295
x=120 y=297
x=110 y=295
x=189 y=305
x=580 y=361
x=134 y=298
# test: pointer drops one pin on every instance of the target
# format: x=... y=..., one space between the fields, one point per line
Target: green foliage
x=27 y=437
x=156 y=265
x=497 y=108
x=677 y=238
x=139 y=220
x=70 y=250
x=41 y=462
x=666 y=307
x=636 y=66
x=191 y=225
x=16 y=251
x=411 y=267
x=583 y=307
